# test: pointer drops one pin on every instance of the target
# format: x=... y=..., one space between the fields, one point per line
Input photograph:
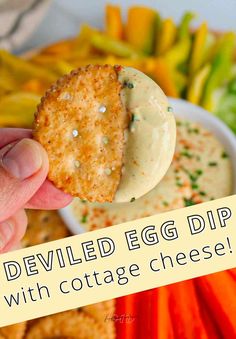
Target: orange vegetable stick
x=185 y=311
x=127 y=317
x=219 y=290
x=211 y=325
x=233 y=273
x=154 y=313
x=164 y=77
x=147 y=314
x=113 y=22
x=164 y=324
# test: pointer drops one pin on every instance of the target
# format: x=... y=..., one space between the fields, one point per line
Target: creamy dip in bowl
x=203 y=168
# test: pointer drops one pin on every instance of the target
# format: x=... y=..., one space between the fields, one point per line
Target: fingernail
x=6 y=233
x=23 y=160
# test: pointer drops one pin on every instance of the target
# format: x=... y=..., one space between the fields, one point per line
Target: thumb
x=23 y=169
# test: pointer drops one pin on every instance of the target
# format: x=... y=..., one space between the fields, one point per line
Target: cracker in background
x=43 y=226
x=102 y=312
x=81 y=122
x=72 y=324
x=16 y=331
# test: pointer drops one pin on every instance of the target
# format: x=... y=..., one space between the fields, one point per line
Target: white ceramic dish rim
x=184 y=110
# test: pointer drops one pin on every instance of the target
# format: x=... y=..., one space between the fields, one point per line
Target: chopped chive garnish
x=84 y=218
x=193 y=130
x=188 y=202
x=169 y=109
x=128 y=84
x=165 y=203
x=224 y=155
x=199 y=172
x=192 y=177
x=212 y=163
x=132 y=199
x=186 y=154
x=202 y=193
x=195 y=186
x=134 y=117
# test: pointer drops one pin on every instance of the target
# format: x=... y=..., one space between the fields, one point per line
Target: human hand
x=23 y=184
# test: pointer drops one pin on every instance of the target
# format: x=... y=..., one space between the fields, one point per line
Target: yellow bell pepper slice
x=198 y=48
x=179 y=53
x=7 y=81
x=17 y=109
x=23 y=69
x=57 y=65
x=196 y=86
x=141 y=28
x=113 y=22
x=180 y=81
x=166 y=36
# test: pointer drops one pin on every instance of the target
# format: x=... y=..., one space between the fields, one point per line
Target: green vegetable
x=220 y=69
x=232 y=86
x=109 y=45
x=184 y=29
x=226 y=110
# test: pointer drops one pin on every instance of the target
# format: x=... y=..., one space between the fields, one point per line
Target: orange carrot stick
x=113 y=21
x=185 y=311
x=154 y=313
x=147 y=314
x=213 y=330
x=219 y=291
x=233 y=273
x=164 y=324
x=127 y=318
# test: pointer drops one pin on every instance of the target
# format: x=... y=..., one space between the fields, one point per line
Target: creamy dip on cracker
x=200 y=171
x=150 y=138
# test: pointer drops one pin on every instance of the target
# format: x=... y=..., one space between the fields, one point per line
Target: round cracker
x=43 y=226
x=102 y=312
x=72 y=324
x=16 y=331
x=81 y=122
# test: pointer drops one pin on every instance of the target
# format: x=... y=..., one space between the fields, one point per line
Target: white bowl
x=188 y=111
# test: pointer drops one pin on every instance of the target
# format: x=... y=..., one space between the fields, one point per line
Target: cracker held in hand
x=81 y=122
